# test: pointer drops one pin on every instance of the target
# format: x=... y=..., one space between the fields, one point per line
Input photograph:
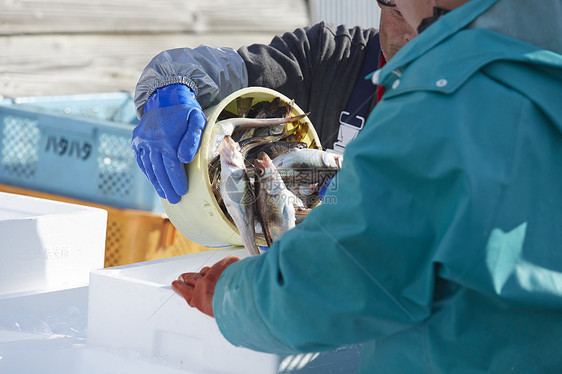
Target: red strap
x=380 y=87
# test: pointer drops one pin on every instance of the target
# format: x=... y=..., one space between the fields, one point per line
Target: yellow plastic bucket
x=198 y=216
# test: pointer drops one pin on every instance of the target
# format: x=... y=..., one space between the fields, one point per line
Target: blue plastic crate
x=114 y=106
x=75 y=146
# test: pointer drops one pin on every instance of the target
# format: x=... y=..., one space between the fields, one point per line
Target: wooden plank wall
x=78 y=46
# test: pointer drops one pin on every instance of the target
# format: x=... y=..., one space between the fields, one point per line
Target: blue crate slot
x=85 y=158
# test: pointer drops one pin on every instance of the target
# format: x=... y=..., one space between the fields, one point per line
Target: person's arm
x=316 y=58
x=360 y=266
x=211 y=73
x=316 y=66
x=303 y=65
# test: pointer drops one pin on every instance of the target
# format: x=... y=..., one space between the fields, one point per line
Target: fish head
x=268 y=175
x=229 y=152
x=235 y=187
x=339 y=161
x=332 y=160
x=263 y=166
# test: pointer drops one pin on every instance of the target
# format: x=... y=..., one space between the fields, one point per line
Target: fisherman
x=443 y=253
x=302 y=65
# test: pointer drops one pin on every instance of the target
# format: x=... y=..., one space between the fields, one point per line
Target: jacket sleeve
x=317 y=66
x=301 y=65
x=212 y=73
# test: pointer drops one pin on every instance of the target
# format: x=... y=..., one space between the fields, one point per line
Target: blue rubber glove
x=168 y=136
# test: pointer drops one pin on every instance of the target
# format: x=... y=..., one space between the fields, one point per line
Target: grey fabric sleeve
x=212 y=73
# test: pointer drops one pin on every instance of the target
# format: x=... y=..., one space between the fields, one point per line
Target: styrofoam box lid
x=14 y=207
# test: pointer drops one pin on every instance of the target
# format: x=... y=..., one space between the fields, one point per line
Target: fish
x=237 y=193
x=226 y=127
x=274 y=149
x=302 y=190
x=258 y=110
x=215 y=178
x=274 y=109
x=248 y=144
x=243 y=105
x=255 y=200
x=243 y=133
x=306 y=158
x=271 y=109
x=276 y=205
x=308 y=166
x=300 y=215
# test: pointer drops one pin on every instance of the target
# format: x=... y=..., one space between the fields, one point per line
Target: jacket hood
x=534 y=22
x=485 y=34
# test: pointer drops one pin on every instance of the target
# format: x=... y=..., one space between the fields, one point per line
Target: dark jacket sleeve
x=316 y=66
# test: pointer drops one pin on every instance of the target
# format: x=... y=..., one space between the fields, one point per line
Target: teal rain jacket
x=441 y=249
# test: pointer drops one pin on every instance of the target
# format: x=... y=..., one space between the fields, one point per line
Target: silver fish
x=249 y=144
x=275 y=203
x=237 y=193
x=274 y=149
x=309 y=158
x=307 y=165
x=302 y=189
x=227 y=127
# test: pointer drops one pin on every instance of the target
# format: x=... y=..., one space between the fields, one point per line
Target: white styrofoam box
x=46 y=333
x=69 y=356
x=48 y=245
x=47 y=314
x=133 y=307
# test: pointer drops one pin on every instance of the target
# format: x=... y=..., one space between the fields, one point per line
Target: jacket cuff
x=233 y=303
x=168 y=81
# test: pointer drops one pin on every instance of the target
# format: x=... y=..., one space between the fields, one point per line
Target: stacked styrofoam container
x=56 y=319
x=133 y=308
x=47 y=250
x=48 y=245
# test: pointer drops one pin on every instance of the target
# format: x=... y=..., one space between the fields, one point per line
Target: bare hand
x=198 y=288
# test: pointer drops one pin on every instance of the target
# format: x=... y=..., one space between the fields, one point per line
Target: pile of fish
x=264 y=177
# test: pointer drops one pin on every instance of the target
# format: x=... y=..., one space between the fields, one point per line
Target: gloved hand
x=198 y=288
x=168 y=136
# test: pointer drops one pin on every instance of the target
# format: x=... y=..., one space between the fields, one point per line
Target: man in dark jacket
x=303 y=65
